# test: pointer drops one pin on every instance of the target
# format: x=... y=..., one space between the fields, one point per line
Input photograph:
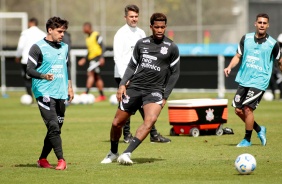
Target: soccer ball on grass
x=245 y=163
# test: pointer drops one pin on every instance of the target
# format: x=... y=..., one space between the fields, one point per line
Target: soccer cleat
x=262 y=135
x=110 y=158
x=100 y=98
x=43 y=163
x=124 y=159
x=62 y=165
x=159 y=139
x=128 y=138
x=244 y=143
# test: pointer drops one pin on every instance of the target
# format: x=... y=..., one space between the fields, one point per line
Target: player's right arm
x=234 y=62
x=35 y=59
x=236 y=59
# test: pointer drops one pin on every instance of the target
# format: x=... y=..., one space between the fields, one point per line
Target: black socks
x=114 y=147
x=133 y=145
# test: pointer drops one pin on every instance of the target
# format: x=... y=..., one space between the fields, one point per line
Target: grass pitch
x=85 y=134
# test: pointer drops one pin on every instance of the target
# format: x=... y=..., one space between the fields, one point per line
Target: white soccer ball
x=26 y=99
x=83 y=98
x=113 y=99
x=76 y=99
x=90 y=99
x=268 y=96
x=245 y=163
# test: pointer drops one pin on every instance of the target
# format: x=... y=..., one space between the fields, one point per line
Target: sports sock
x=248 y=135
x=87 y=90
x=256 y=127
x=114 y=146
x=153 y=131
x=101 y=92
x=133 y=145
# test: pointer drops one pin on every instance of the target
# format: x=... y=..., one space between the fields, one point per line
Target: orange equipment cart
x=190 y=116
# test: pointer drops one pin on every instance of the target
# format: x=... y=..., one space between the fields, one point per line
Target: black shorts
x=52 y=109
x=247 y=96
x=135 y=99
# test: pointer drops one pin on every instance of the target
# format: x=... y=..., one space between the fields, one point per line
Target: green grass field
x=85 y=134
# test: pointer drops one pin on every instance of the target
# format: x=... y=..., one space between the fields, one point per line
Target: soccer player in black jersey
x=148 y=81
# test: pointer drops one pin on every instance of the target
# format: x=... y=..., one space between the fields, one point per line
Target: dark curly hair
x=56 y=22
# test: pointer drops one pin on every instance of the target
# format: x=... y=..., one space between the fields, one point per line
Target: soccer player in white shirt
x=27 y=39
x=124 y=42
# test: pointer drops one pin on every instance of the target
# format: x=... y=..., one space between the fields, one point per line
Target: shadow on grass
x=146 y=160
x=25 y=165
x=120 y=141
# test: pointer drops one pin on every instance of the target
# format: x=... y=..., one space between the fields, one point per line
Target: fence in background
x=198 y=73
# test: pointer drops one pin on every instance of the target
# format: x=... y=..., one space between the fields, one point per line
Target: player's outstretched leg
x=151 y=113
x=116 y=131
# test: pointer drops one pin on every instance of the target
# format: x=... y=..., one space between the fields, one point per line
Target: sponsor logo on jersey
x=150 y=66
x=150 y=57
x=256 y=52
x=167 y=43
x=60 y=57
x=147 y=60
x=251 y=62
x=164 y=50
x=57 y=71
x=146 y=41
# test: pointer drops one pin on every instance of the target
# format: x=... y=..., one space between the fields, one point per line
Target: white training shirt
x=27 y=39
x=124 y=42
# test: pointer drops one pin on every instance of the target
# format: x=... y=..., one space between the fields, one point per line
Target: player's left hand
x=70 y=94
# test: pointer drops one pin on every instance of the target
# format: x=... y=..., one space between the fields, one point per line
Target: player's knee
x=53 y=128
x=117 y=124
x=248 y=110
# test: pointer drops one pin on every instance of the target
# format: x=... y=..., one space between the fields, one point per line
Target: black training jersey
x=155 y=65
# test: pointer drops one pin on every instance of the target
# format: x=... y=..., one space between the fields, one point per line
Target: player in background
x=276 y=77
x=148 y=81
x=51 y=84
x=124 y=42
x=95 y=47
x=257 y=52
x=27 y=39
